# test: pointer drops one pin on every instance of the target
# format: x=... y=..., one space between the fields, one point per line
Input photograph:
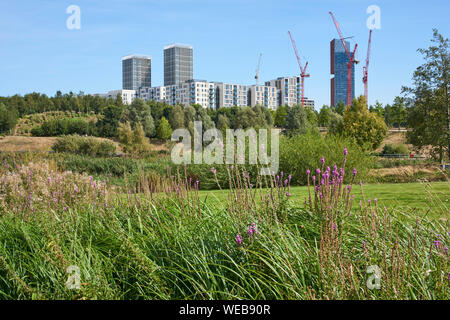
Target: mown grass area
x=417 y=198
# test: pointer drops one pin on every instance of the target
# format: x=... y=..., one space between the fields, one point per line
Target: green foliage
x=138 y=112
x=336 y=125
x=340 y=108
x=367 y=128
x=58 y=127
x=429 y=113
x=396 y=115
x=108 y=125
x=324 y=117
x=395 y=149
x=8 y=118
x=84 y=145
x=280 y=117
x=297 y=120
x=246 y=118
x=300 y=153
x=164 y=131
x=312 y=116
x=223 y=122
x=177 y=118
x=133 y=141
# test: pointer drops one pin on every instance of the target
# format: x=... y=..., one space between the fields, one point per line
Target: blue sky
x=38 y=53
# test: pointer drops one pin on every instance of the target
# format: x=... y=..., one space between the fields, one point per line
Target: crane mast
x=366 y=69
x=303 y=73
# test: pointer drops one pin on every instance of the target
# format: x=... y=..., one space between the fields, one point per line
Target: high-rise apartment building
x=263 y=95
x=289 y=90
x=178 y=64
x=339 y=60
x=136 y=72
x=229 y=95
x=199 y=92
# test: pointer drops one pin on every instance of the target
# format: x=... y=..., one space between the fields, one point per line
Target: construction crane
x=366 y=68
x=257 y=68
x=303 y=73
x=351 y=61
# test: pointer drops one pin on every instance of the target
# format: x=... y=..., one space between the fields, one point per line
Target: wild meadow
x=169 y=241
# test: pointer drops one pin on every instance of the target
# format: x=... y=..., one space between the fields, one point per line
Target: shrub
x=133 y=141
x=164 y=131
x=84 y=145
x=299 y=153
x=58 y=127
x=395 y=149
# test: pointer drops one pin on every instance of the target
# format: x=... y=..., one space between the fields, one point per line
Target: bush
x=395 y=149
x=299 y=153
x=58 y=127
x=133 y=141
x=84 y=145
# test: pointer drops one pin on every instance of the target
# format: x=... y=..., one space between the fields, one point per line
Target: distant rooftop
x=142 y=56
x=179 y=45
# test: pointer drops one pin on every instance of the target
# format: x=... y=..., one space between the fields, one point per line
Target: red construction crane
x=366 y=68
x=351 y=61
x=303 y=73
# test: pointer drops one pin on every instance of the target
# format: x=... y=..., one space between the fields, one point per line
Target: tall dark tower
x=338 y=70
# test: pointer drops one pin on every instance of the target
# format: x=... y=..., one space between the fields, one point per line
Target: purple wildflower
x=354 y=172
x=345 y=151
x=322 y=160
x=213 y=170
x=238 y=240
x=437 y=243
x=288 y=194
x=307 y=172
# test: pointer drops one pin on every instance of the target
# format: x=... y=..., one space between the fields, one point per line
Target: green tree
x=223 y=123
x=366 y=127
x=297 y=120
x=398 y=112
x=139 y=112
x=177 y=118
x=164 y=131
x=378 y=109
x=8 y=118
x=324 y=117
x=336 y=125
x=140 y=141
x=203 y=116
x=280 y=117
x=428 y=98
x=125 y=134
x=340 y=108
x=107 y=126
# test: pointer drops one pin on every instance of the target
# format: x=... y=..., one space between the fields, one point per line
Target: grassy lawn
x=432 y=199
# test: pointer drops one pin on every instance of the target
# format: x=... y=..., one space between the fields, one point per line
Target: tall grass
x=166 y=243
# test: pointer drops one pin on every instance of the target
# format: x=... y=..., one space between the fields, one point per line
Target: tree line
x=424 y=108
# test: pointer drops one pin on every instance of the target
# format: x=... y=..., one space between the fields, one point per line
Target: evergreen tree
x=164 y=131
